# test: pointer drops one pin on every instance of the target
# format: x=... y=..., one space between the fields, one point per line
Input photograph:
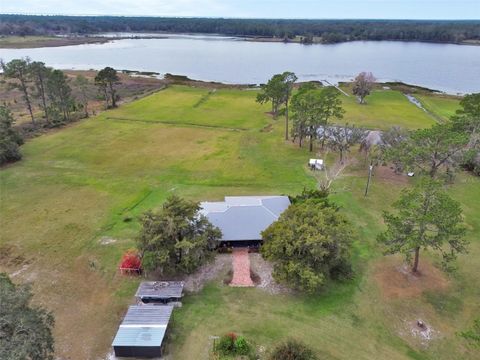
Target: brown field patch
x=387 y=174
x=396 y=281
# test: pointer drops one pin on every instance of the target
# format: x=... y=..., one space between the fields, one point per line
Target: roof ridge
x=270 y=211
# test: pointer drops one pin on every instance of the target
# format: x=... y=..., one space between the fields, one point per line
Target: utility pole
x=370 y=169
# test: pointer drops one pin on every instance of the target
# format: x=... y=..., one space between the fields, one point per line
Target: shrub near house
x=309 y=244
x=177 y=238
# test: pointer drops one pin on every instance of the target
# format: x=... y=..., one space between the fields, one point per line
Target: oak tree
x=342 y=138
x=363 y=85
x=176 y=238
x=278 y=91
x=25 y=330
x=309 y=245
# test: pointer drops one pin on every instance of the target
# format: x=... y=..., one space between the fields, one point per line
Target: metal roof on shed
x=139 y=336
x=160 y=289
x=244 y=217
x=143 y=325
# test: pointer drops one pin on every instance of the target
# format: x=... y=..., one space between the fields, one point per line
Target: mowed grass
x=192 y=106
x=83 y=183
x=70 y=208
x=7 y=40
x=384 y=109
x=352 y=320
x=441 y=105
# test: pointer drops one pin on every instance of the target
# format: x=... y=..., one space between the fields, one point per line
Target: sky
x=317 y=9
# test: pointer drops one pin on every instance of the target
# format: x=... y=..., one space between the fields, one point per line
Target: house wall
x=240 y=243
x=138 y=351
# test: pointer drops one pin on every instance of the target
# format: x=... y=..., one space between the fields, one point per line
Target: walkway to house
x=241 y=268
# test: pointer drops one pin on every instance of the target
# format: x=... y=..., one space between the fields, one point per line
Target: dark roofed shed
x=160 y=291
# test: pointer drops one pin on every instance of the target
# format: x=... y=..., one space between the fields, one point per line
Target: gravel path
x=241 y=268
x=208 y=272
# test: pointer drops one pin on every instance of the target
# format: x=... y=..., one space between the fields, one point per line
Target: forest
x=326 y=31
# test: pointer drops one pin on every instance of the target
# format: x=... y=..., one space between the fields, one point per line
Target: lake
x=444 y=67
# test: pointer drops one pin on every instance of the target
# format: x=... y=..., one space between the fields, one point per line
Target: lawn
x=354 y=319
x=383 y=109
x=70 y=207
x=20 y=42
x=441 y=105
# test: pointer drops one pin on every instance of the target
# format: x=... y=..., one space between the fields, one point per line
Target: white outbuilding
x=316 y=164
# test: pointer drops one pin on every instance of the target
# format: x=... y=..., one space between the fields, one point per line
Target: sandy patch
x=418 y=332
x=387 y=174
x=263 y=269
x=105 y=240
x=397 y=281
x=208 y=272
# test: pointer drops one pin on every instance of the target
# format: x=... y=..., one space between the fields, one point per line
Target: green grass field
x=383 y=109
x=443 y=106
x=20 y=42
x=81 y=187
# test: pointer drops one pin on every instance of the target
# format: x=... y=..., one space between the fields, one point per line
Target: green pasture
x=70 y=208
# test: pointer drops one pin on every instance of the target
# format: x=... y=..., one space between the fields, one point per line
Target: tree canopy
x=330 y=31
x=426 y=218
x=430 y=150
x=363 y=85
x=20 y=71
x=106 y=79
x=342 y=138
x=177 y=238
x=309 y=244
x=10 y=139
x=25 y=331
x=467 y=121
x=312 y=110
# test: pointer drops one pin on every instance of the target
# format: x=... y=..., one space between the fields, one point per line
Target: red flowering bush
x=131 y=260
x=232 y=336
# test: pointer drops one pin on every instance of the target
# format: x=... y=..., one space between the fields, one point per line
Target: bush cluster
x=292 y=350
x=231 y=344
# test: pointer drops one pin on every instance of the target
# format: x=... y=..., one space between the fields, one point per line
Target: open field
x=385 y=108
x=69 y=209
x=443 y=106
x=22 y=42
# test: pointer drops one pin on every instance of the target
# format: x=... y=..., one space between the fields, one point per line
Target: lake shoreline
x=228 y=60
x=32 y=42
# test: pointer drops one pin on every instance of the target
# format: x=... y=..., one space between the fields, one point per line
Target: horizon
x=236 y=18
x=441 y=10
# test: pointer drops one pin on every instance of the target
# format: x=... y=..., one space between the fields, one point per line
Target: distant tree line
x=329 y=31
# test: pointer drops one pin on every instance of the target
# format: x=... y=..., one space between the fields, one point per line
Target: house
x=162 y=292
x=142 y=331
x=243 y=218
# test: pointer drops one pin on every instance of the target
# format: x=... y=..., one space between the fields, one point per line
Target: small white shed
x=316 y=164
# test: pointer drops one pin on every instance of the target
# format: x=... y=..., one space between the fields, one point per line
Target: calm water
x=445 y=67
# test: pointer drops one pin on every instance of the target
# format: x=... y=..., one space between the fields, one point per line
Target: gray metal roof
x=244 y=217
x=160 y=289
x=143 y=325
